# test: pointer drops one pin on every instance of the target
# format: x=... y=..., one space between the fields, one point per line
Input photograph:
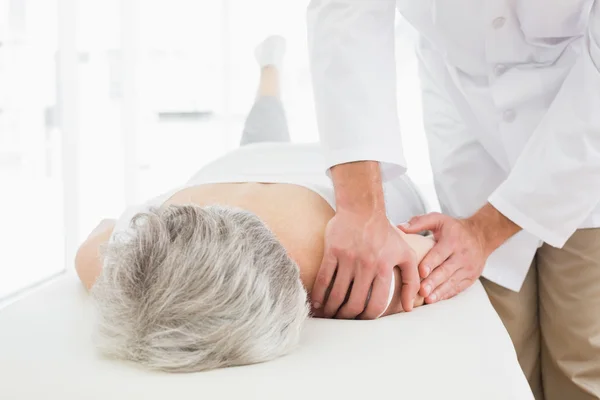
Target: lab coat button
x=498 y=22
x=499 y=69
x=509 y=115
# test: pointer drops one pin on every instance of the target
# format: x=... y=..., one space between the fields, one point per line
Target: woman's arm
x=88 y=261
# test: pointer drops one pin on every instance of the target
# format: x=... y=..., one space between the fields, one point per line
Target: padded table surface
x=457 y=349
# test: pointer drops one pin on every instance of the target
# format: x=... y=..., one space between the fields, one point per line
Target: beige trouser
x=554 y=321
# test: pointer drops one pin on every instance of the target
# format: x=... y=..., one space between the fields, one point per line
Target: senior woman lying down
x=216 y=273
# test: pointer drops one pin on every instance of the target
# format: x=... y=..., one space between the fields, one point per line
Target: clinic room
x=300 y=199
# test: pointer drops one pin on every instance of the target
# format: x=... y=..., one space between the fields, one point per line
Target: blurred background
x=106 y=103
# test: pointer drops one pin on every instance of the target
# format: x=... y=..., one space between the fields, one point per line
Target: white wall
x=135 y=60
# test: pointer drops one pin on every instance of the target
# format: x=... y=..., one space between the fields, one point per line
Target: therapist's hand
x=461 y=250
x=361 y=249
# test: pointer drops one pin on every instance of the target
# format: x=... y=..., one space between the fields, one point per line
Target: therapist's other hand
x=462 y=247
x=361 y=249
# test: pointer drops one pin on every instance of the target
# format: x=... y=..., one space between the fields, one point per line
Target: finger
x=318 y=313
x=359 y=293
x=447 y=290
x=379 y=295
x=438 y=254
x=323 y=280
x=439 y=276
x=340 y=288
x=427 y=222
x=411 y=283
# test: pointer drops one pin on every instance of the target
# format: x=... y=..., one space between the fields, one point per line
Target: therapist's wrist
x=358 y=187
x=493 y=227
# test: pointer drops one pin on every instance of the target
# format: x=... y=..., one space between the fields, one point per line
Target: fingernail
x=427 y=290
x=427 y=270
x=405 y=225
x=316 y=305
x=433 y=297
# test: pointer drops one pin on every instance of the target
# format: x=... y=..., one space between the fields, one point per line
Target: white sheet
x=453 y=350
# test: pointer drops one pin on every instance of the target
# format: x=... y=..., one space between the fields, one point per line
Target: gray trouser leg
x=266 y=122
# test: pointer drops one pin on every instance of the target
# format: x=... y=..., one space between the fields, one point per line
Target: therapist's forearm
x=494 y=228
x=358 y=187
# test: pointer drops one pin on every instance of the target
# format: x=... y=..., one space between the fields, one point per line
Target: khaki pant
x=554 y=321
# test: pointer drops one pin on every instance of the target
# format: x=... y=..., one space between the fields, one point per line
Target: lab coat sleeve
x=352 y=59
x=555 y=183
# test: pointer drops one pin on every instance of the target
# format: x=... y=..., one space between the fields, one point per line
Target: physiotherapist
x=511 y=104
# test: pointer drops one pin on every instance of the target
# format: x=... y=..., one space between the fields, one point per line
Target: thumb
x=428 y=222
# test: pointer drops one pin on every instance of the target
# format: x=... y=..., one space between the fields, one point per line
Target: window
x=32 y=238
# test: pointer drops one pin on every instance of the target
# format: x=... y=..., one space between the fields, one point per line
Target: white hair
x=192 y=288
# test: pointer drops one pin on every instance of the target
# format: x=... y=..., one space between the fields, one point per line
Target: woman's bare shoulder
x=88 y=260
x=420 y=244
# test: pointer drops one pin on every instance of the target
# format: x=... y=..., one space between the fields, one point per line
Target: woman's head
x=191 y=288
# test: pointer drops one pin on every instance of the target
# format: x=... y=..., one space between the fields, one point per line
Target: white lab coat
x=511 y=103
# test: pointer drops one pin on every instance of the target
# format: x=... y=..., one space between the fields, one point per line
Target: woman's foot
x=270 y=52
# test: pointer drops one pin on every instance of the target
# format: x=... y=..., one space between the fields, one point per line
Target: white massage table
x=457 y=349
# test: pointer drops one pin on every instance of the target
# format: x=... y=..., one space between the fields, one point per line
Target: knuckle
x=336 y=249
x=365 y=267
x=336 y=296
x=382 y=269
x=452 y=282
x=437 y=278
x=371 y=264
x=322 y=280
x=445 y=272
x=350 y=254
x=434 y=254
x=369 y=261
x=453 y=267
x=456 y=288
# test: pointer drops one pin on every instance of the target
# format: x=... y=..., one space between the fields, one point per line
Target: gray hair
x=190 y=288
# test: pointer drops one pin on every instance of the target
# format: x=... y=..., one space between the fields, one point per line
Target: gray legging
x=266 y=122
